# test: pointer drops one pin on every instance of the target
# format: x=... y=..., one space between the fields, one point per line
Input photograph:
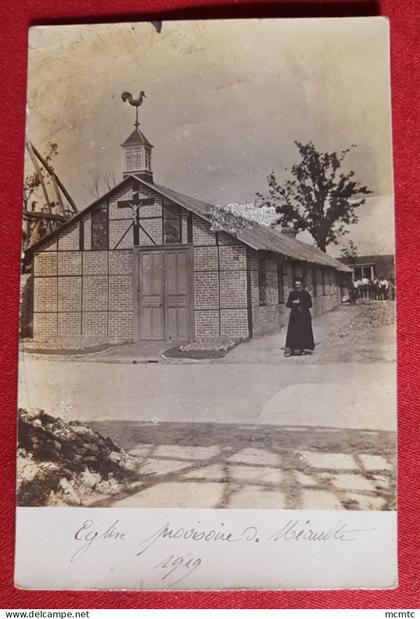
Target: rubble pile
x=67 y=463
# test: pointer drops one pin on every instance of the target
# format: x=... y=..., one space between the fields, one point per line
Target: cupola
x=137 y=150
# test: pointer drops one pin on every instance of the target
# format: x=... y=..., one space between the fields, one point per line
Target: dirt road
x=253 y=429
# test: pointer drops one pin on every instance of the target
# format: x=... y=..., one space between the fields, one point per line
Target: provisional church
x=145 y=262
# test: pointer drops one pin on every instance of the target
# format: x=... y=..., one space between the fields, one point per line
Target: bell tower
x=137 y=150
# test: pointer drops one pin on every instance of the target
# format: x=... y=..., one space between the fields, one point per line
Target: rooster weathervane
x=127 y=96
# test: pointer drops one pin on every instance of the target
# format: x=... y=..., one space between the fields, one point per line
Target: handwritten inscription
x=177 y=566
x=89 y=535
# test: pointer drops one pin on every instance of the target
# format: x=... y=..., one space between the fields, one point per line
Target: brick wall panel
x=206 y=290
x=123 y=193
x=151 y=210
x=202 y=235
x=70 y=323
x=268 y=318
x=69 y=263
x=118 y=229
x=120 y=325
x=233 y=289
x=45 y=294
x=45 y=264
x=45 y=325
x=70 y=238
x=69 y=294
x=95 y=323
x=121 y=262
x=232 y=257
x=95 y=293
x=153 y=227
x=121 y=293
x=234 y=322
x=206 y=258
x=95 y=263
x=206 y=324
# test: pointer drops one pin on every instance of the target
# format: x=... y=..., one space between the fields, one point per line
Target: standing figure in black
x=300 y=338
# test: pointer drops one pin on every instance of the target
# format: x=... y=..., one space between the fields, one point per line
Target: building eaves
x=258 y=237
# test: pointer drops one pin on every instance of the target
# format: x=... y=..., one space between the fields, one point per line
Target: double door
x=165 y=294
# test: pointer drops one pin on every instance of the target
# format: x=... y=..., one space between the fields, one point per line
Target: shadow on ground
x=255 y=466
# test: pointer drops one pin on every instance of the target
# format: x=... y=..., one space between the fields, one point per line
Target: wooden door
x=177 y=297
x=165 y=295
x=152 y=296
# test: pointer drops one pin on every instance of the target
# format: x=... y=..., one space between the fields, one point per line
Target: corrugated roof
x=258 y=237
x=265 y=238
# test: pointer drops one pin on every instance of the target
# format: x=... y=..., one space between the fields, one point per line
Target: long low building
x=144 y=262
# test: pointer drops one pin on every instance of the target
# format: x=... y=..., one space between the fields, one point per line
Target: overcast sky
x=225 y=102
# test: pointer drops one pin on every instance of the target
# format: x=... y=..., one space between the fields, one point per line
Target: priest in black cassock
x=300 y=338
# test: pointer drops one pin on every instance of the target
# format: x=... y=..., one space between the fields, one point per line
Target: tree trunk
x=322 y=245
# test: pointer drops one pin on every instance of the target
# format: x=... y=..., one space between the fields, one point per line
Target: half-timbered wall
x=87 y=293
x=84 y=277
x=220 y=283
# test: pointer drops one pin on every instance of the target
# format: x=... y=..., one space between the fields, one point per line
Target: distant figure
x=299 y=331
x=365 y=287
x=376 y=289
x=391 y=290
x=352 y=292
x=383 y=289
x=357 y=289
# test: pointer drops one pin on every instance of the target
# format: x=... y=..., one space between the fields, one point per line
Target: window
x=280 y=282
x=304 y=276
x=262 y=281
x=323 y=280
x=100 y=228
x=148 y=159
x=314 y=286
x=172 y=225
x=134 y=158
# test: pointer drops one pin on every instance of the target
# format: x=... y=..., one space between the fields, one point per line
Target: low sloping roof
x=257 y=236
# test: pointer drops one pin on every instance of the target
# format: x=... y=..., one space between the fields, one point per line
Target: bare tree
x=101 y=183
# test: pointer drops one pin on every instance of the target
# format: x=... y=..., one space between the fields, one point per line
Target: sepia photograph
x=208 y=283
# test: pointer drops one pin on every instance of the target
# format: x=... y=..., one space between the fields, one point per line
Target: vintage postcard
x=207 y=392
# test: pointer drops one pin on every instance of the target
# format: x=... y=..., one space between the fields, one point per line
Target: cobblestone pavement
x=248 y=466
